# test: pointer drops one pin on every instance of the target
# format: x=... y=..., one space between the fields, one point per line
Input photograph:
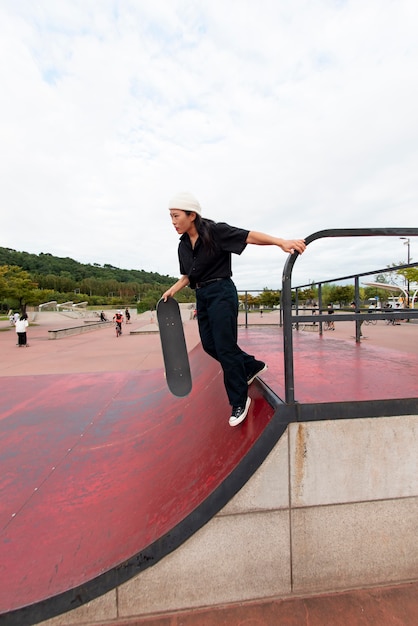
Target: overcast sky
x=285 y=116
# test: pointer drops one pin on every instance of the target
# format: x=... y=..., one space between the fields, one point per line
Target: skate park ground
x=100 y=351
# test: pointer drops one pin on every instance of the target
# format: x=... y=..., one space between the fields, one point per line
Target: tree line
x=32 y=279
x=341 y=295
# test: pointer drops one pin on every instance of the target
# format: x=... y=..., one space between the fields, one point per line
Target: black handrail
x=287 y=290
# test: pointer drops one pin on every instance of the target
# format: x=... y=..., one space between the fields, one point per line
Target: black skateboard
x=173 y=343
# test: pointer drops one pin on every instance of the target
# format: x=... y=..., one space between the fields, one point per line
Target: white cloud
x=288 y=117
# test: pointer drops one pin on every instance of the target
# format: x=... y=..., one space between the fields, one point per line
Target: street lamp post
x=407 y=243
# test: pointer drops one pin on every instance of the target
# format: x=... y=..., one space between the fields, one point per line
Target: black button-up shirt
x=200 y=264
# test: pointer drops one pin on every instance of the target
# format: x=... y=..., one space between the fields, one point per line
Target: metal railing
x=286 y=298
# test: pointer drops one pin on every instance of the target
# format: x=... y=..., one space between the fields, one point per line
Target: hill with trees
x=32 y=279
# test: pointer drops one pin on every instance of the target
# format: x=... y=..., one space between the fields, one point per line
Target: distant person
x=314 y=311
x=20 y=327
x=127 y=315
x=118 y=319
x=330 y=323
x=205 y=252
x=359 y=322
x=389 y=307
x=103 y=317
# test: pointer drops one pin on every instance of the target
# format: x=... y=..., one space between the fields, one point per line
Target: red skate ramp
x=335 y=370
x=102 y=474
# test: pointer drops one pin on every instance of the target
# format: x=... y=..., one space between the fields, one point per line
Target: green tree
x=410 y=274
x=148 y=303
x=310 y=294
x=17 y=285
x=343 y=294
x=269 y=298
x=249 y=299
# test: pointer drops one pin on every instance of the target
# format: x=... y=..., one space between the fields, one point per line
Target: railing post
x=320 y=305
x=246 y=308
x=289 y=383
x=357 y=305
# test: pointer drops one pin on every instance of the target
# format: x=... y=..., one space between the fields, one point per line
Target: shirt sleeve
x=231 y=238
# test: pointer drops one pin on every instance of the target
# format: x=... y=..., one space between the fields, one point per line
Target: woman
x=20 y=327
x=204 y=251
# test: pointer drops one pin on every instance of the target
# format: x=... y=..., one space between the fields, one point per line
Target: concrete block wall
x=334 y=506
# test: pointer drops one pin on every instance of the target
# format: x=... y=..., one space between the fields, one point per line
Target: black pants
x=217 y=315
x=21 y=339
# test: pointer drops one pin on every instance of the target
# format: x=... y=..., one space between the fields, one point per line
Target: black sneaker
x=260 y=367
x=239 y=413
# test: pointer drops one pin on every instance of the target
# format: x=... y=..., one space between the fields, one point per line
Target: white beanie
x=186 y=202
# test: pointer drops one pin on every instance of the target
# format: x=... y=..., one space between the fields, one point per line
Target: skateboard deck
x=173 y=343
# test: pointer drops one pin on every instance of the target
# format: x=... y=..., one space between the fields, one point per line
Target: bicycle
x=298 y=325
x=118 y=328
x=370 y=321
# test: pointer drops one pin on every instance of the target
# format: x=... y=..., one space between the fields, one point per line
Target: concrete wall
x=334 y=506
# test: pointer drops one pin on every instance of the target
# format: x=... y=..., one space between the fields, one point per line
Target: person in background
x=314 y=310
x=20 y=327
x=360 y=322
x=205 y=251
x=127 y=315
x=330 y=323
x=118 y=319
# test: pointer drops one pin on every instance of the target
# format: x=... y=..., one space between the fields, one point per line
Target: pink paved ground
x=99 y=350
x=95 y=351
